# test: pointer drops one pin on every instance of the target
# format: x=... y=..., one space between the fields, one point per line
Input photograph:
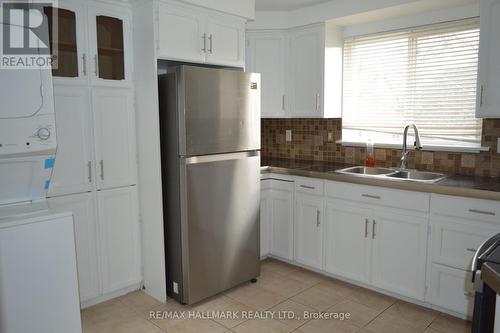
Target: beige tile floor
x=280 y=289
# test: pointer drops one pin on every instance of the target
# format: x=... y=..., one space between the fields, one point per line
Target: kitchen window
x=426 y=75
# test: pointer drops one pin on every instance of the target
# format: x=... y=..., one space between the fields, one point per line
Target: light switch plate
x=330 y=136
x=288 y=135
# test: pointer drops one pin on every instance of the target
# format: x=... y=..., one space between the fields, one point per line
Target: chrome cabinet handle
x=481 y=97
x=89 y=166
x=84 y=64
x=468 y=294
x=373 y=229
x=211 y=39
x=101 y=162
x=308 y=187
x=470 y=249
x=96 y=66
x=477 y=211
x=283 y=102
x=317 y=218
x=318 y=102
x=366 y=227
x=204 y=37
x=371 y=196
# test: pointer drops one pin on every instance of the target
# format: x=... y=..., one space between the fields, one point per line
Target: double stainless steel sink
x=394 y=174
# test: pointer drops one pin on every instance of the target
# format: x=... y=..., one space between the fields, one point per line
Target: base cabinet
x=282 y=220
x=347 y=251
x=83 y=207
x=308 y=243
x=119 y=230
x=265 y=217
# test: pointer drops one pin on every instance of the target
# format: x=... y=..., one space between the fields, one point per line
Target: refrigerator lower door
x=220 y=222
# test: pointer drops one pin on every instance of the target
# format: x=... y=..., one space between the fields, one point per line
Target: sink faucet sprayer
x=417 y=144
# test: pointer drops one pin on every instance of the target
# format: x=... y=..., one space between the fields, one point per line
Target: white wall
x=243 y=8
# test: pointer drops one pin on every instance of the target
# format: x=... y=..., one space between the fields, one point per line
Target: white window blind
x=427 y=76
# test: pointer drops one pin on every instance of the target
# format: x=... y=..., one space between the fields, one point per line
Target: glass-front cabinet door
x=67 y=42
x=110 y=47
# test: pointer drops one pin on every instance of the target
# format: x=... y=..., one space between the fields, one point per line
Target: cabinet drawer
x=309 y=186
x=379 y=196
x=467 y=208
x=454 y=241
x=451 y=288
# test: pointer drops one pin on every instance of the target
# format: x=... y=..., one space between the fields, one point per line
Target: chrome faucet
x=417 y=144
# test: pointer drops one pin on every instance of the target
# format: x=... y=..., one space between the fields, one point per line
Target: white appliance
x=38 y=277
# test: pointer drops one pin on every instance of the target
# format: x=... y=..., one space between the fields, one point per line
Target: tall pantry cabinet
x=96 y=165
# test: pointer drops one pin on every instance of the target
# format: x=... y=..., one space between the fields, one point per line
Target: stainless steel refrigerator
x=210 y=147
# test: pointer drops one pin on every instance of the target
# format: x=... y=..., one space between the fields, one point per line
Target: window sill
x=473 y=150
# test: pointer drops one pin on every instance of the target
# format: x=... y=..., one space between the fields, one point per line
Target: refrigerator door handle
x=221 y=157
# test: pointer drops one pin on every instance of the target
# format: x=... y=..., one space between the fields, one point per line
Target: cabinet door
x=73 y=171
x=282 y=223
x=489 y=64
x=114 y=132
x=119 y=229
x=181 y=33
x=347 y=240
x=86 y=237
x=306 y=67
x=110 y=47
x=266 y=55
x=225 y=40
x=68 y=45
x=309 y=230
x=399 y=252
x=265 y=220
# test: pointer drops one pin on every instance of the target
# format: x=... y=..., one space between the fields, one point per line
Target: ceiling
x=284 y=5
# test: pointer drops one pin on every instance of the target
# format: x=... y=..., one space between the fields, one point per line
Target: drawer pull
x=470 y=249
x=477 y=211
x=373 y=229
x=308 y=187
x=366 y=228
x=371 y=196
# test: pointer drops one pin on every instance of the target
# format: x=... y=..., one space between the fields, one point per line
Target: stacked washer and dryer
x=38 y=277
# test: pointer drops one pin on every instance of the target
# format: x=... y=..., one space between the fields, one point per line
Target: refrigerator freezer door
x=219 y=111
x=220 y=222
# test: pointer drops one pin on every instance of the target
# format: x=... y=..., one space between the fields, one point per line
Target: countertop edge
x=401 y=185
x=491 y=276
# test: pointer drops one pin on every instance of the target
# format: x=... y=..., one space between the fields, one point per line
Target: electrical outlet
x=498 y=145
x=288 y=135
x=330 y=136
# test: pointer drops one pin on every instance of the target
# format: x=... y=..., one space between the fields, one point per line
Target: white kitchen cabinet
x=307 y=54
x=181 y=33
x=109 y=35
x=114 y=131
x=71 y=66
x=399 y=252
x=488 y=97
x=281 y=201
x=73 y=169
x=266 y=54
x=86 y=237
x=347 y=249
x=192 y=34
x=265 y=217
x=119 y=234
x=226 y=40
x=308 y=243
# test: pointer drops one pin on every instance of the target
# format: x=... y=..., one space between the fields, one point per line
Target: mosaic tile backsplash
x=310 y=142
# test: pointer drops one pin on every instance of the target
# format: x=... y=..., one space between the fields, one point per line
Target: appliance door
x=219 y=111
x=220 y=222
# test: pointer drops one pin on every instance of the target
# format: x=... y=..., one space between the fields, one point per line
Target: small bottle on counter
x=370 y=154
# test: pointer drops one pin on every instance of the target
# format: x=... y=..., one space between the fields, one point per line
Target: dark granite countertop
x=490 y=274
x=474 y=187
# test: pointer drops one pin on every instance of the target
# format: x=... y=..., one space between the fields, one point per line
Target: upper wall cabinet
x=307 y=53
x=488 y=99
x=192 y=34
x=109 y=41
x=70 y=65
x=266 y=54
x=301 y=71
